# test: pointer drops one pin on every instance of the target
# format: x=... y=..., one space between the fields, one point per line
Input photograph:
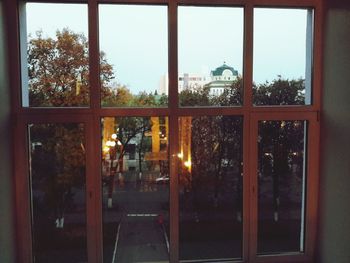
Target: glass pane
x=134 y=55
x=55 y=56
x=210 y=187
x=57 y=181
x=210 y=56
x=282 y=56
x=135 y=178
x=281 y=184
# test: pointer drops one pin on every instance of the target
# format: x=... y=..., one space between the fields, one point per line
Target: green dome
x=218 y=71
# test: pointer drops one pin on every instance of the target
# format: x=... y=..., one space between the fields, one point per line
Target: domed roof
x=219 y=70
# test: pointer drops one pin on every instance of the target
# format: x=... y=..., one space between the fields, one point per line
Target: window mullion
x=173 y=131
x=93 y=172
x=248 y=56
x=249 y=236
x=94 y=55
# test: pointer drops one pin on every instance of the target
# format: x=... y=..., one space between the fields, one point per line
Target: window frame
x=92 y=115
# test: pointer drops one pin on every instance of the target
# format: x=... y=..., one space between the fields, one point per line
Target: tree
x=280 y=139
x=128 y=128
x=58 y=70
x=196 y=97
x=280 y=92
x=117 y=97
x=232 y=96
x=144 y=99
x=58 y=76
x=58 y=166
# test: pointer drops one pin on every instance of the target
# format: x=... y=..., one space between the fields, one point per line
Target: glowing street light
x=106 y=149
x=111 y=143
x=188 y=164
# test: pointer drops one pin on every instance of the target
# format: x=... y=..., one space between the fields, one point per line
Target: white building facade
x=218 y=79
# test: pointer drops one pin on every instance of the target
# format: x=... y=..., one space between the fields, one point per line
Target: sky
x=135 y=39
x=208 y=37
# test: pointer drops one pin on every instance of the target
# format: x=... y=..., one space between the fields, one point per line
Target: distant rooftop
x=219 y=70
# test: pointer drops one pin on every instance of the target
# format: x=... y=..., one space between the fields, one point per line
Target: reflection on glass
x=134 y=55
x=55 y=69
x=57 y=161
x=210 y=56
x=282 y=56
x=210 y=185
x=135 y=178
x=281 y=177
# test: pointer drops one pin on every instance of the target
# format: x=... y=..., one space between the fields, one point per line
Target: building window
x=140 y=147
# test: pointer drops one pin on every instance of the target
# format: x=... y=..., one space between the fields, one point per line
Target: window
x=281 y=182
x=57 y=183
x=135 y=204
x=134 y=63
x=210 y=187
x=167 y=132
x=55 y=63
x=284 y=38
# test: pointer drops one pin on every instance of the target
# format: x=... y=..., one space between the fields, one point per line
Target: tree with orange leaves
x=58 y=70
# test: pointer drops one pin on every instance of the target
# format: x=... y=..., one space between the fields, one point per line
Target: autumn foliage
x=58 y=70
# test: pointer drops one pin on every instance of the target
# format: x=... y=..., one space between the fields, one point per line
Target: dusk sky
x=134 y=39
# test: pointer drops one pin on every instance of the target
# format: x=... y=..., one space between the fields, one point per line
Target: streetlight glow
x=188 y=164
x=110 y=143
x=106 y=149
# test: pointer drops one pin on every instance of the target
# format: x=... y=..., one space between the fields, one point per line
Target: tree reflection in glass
x=57 y=161
x=210 y=185
x=281 y=184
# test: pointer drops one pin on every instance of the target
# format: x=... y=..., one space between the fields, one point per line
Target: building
x=221 y=79
x=191 y=81
x=218 y=79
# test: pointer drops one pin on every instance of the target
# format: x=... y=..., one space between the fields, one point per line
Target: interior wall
x=334 y=224
x=6 y=204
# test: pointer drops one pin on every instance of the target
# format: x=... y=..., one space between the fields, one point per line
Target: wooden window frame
x=91 y=117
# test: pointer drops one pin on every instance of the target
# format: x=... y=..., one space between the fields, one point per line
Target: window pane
x=135 y=178
x=210 y=185
x=57 y=161
x=55 y=62
x=281 y=177
x=134 y=55
x=282 y=56
x=210 y=56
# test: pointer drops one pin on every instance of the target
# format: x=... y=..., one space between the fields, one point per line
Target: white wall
x=6 y=205
x=334 y=227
